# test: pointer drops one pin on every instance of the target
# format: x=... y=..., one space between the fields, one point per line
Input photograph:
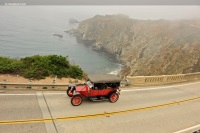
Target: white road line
x=145 y=89
x=189 y=129
x=17 y=94
x=165 y=87
x=31 y=94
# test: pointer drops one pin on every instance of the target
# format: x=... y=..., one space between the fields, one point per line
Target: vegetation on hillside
x=145 y=47
x=39 y=67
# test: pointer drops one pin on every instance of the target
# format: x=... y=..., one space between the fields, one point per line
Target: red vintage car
x=97 y=88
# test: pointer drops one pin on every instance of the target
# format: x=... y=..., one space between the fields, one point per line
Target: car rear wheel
x=76 y=100
x=113 y=97
x=69 y=92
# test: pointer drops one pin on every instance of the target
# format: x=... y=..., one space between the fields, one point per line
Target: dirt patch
x=7 y=78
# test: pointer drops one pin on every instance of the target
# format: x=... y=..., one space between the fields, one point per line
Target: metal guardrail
x=33 y=86
x=133 y=80
x=41 y=86
x=162 y=79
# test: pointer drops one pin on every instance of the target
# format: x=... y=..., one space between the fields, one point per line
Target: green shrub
x=75 y=72
x=8 y=65
x=39 y=67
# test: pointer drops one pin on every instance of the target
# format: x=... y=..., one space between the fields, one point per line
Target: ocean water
x=28 y=30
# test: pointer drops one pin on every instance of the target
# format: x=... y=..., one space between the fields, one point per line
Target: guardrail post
x=5 y=81
x=30 y=82
x=54 y=80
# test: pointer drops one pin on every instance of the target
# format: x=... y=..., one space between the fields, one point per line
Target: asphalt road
x=20 y=107
x=166 y=109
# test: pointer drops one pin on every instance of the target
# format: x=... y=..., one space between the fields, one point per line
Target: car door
x=104 y=90
x=96 y=90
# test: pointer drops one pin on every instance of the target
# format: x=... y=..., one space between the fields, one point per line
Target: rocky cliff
x=145 y=47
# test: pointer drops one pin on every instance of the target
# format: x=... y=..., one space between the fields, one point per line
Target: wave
x=116 y=71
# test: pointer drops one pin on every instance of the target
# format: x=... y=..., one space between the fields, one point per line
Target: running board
x=97 y=100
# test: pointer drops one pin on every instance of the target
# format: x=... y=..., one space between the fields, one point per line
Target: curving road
x=166 y=109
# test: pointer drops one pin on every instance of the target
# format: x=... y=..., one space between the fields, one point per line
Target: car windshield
x=89 y=84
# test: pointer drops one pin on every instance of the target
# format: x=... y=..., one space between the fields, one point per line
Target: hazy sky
x=136 y=12
x=160 y=12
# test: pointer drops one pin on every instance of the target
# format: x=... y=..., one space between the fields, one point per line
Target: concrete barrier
x=162 y=79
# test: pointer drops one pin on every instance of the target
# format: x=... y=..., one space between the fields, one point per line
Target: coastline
x=144 y=48
x=90 y=44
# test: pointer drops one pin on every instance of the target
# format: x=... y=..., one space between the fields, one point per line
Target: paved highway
x=166 y=109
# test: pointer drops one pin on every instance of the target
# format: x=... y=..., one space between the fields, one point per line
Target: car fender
x=114 y=92
x=118 y=92
x=76 y=93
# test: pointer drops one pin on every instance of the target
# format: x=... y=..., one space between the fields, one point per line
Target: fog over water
x=28 y=30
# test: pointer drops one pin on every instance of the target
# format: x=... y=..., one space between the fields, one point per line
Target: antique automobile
x=97 y=88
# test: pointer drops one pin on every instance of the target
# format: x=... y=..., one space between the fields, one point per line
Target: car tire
x=113 y=97
x=76 y=100
x=69 y=92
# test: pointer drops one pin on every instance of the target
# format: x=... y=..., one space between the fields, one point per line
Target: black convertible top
x=104 y=78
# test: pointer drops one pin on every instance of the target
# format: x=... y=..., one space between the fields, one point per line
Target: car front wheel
x=69 y=92
x=76 y=100
x=113 y=97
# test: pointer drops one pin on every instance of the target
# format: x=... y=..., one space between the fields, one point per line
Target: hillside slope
x=145 y=47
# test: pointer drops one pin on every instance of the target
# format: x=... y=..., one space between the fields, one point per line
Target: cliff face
x=145 y=47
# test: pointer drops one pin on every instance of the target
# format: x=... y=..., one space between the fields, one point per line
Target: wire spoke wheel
x=76 y=100
x=113 y=97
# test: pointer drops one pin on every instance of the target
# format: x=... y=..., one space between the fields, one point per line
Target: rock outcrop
x=73 y=21
x=145 y=47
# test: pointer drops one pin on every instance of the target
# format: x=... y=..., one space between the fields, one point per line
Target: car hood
x=81 y=88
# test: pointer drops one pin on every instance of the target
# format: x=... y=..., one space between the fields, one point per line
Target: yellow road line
x=96 y=115
x=25 y=121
